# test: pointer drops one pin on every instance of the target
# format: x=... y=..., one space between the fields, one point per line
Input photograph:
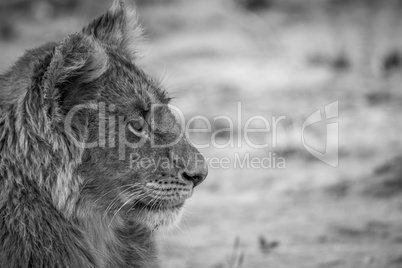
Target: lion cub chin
x=164 y=219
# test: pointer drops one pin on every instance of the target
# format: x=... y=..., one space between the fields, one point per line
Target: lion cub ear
x=118 y=28
x=78 y=60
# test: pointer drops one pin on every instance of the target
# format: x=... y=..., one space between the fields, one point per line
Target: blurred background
x=276 y=58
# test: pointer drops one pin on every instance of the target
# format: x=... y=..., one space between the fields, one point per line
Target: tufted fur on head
x=118 y=28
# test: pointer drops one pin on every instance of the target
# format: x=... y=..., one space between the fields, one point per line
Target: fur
x=64 y=205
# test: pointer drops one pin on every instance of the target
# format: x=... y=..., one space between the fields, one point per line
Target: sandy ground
x=211 y=55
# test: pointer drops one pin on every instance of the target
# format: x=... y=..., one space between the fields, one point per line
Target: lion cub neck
x=116 y=241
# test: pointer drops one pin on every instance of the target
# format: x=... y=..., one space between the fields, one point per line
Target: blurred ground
x=278 y=58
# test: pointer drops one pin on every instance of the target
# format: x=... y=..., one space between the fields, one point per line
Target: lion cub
x=91 y=158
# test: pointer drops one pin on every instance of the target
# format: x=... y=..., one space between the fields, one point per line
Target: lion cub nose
x=195 y=178
x=196 y=174
x=194 y=167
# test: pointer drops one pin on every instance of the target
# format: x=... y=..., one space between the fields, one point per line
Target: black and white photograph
x=200 y=134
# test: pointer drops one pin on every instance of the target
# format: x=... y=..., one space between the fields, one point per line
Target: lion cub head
x=95 y=131
x=136 y=161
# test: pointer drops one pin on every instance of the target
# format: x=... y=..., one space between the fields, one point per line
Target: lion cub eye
x=136 y=126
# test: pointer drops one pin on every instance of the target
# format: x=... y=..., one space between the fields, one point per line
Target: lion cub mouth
x=158 y=202
x=166 y=215
x=160 y=207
